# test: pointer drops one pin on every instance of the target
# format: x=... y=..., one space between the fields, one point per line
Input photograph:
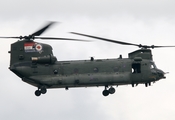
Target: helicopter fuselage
x=86 y=73
x=35 y=64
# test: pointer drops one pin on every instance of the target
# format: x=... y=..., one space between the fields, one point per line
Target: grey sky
x=140 y=21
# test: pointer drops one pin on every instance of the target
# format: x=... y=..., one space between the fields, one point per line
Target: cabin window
x=55 y=71
x=96 y=70
x=136 y=68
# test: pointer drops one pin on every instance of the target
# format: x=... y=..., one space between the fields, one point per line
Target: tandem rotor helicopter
x=36 y=65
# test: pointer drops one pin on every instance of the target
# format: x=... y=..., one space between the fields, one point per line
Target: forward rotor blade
x=54 y=38
x=11 y=37
x=43 y=29
x=120 y=42
x=105 y=39
x=160 y=46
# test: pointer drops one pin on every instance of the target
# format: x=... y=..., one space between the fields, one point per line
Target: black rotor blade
x=160 y=46
x=120 y=42
x=10 y=37
x=37 y=33
x=105 y=39
x=43 y=29
x=54 y=38
x=49 y=38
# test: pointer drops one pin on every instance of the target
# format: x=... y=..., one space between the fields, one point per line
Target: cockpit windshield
x=152 y=65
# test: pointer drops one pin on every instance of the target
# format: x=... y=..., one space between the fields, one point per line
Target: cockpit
x=157 y=72
x=152 y=65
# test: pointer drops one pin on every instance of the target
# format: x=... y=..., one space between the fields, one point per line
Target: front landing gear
x=106 y=92
x=41 y=90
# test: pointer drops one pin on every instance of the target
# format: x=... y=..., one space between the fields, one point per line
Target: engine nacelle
x=49 y=59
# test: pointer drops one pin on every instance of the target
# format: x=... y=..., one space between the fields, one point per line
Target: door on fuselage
x=136 y=75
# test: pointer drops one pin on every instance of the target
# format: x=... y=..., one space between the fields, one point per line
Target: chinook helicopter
x=36 y=65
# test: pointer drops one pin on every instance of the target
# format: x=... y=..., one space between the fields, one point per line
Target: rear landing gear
x=106 y=92
x=37 y=93
x=41 y=90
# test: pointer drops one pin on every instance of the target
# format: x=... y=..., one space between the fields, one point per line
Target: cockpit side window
x=152 y=65
x=136 y=68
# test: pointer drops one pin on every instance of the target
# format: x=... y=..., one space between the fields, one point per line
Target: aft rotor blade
x=54 y=38
x=105 y=39
x=49 y=38
x=43 y=29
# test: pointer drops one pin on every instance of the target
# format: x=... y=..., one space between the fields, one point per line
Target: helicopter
x=36 y=65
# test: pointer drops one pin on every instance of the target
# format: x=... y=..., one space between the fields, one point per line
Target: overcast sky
x=137 y=21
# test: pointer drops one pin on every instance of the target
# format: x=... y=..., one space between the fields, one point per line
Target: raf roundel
x=38 y=47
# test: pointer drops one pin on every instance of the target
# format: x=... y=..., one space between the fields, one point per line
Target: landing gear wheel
x=37 y=93
x=149 y=83
x=146 y=84
x=111 y=90
x=43 y=90
x=105 y=92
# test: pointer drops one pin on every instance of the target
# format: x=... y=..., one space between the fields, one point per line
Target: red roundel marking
x=38 y=47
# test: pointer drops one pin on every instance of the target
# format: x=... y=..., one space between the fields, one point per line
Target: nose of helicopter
x=160 y=74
